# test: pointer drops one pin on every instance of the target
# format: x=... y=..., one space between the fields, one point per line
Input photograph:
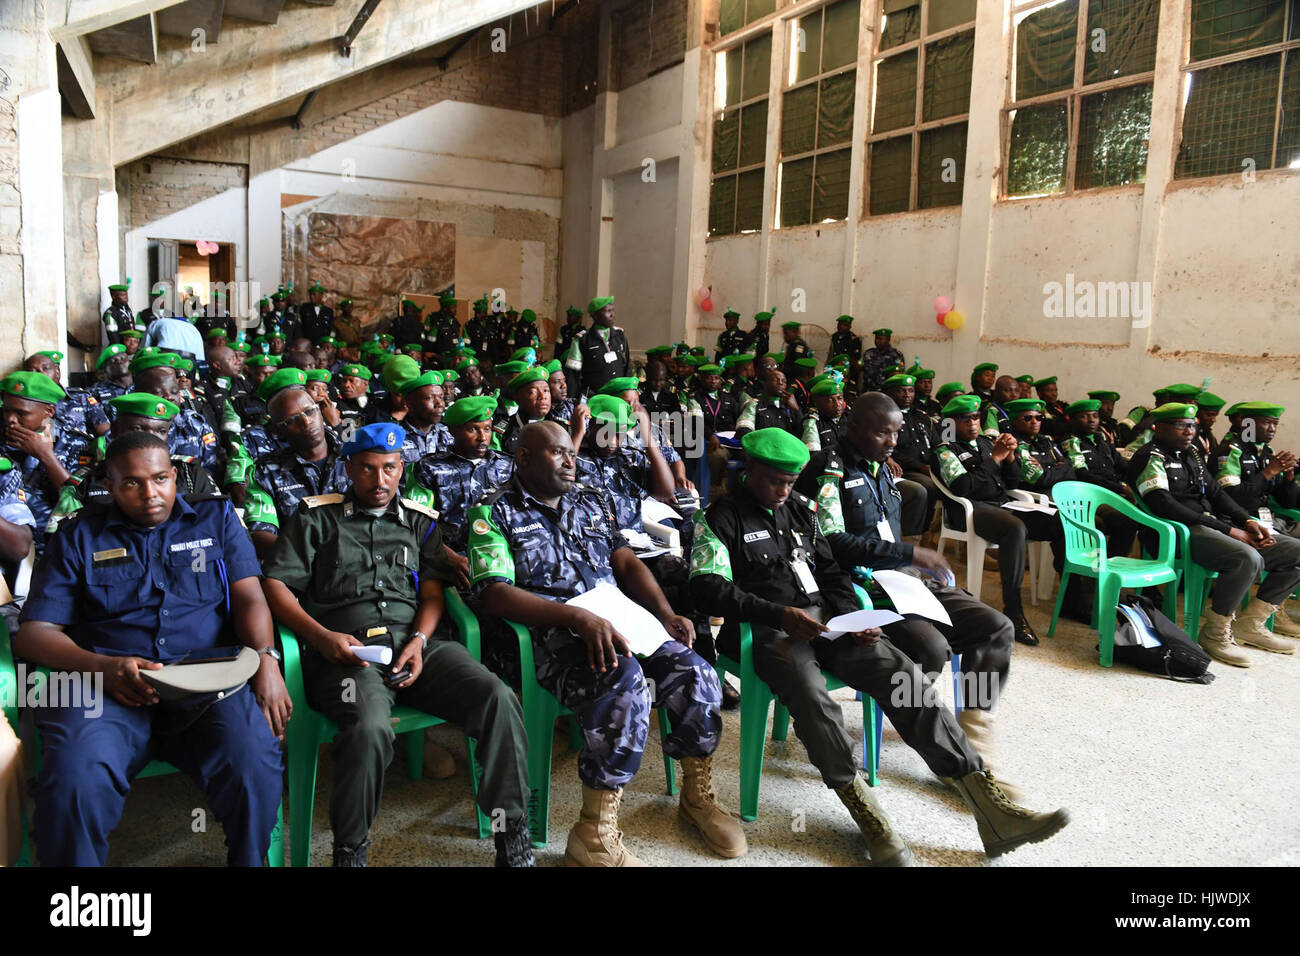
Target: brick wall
x=647 y=37
x=158 y=187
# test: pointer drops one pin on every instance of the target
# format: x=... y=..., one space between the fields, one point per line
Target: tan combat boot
x=978 y=725
x=1251 y=630
x=699 y=807
x=885 y=847
x=1215 y=636
x=595 y=839
x=1003 y=825
x=1282 y=623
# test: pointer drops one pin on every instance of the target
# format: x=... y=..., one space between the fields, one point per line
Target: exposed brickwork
x=160 y=187
x=646 y=38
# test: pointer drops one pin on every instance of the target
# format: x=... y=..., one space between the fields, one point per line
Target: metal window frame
x=919 y=124
x=739 y=106
x=1073 y=98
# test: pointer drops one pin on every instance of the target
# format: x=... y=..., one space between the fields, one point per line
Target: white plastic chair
x=977 y=546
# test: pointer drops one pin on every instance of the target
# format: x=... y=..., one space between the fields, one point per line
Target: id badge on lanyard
x=799 y=562
x=883 y=527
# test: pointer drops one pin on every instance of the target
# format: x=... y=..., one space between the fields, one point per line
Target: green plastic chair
x=755 y=699
x=541 y=709
x=1085 y=555
x=155 y=768
x=309 y=728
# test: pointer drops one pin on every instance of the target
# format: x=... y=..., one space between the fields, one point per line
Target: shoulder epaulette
x=491 y=496
x=184 y=459
x=803 y=500
x=415 y=506
x=315 y=501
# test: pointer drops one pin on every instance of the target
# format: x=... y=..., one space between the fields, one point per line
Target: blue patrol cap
x=381 y=437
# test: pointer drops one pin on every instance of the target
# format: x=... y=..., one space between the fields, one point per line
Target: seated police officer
x=367 y=567
x=859 y=510
x=530 y=391
x=760 y=557
x=1174 y=483
x=124 y=590
x=1097 y=462
x=542 y=539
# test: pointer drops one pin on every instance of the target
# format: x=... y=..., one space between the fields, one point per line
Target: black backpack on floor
x=1176 y=656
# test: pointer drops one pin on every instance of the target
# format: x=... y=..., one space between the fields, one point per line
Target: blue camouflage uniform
x=106 y=390
x=286 y=479
x=260 y=440
x=454 y=483
x=72 y=449
x=14 y=509
x=192 y=435
x=418 y=443
x=624 y=476
x=558 y=554
x=80 y=411
x=119 y=589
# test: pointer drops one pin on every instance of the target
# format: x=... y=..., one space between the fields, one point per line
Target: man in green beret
x=191 y=433
x=79 y=410
x=731 y=341
x=317 y=317
x=804 y=370
x=1208 y=406
x=878 y=358
x=948 y=391
x=1175 y=483
x=1056 y=420
x=1135 y=429
x=625 y=387
x=354 y=400
x=984 y=469
x=844 y=342
x=1097 y=462
x=118 y=317
x=760 y=557
x=742 y=375
x=561 y=405
x=925 y=398
x=909 y=463
x=775 y=408
x=443 y=327
x=982 y=378
x=112 y=373
x=794 y=348
x=525 y=332
x=156 y=309
x=665 y=406
x=569 y=332
x=1024 y=386
x=408 y=325
x=994 y=417
x=530 y=391
x=1106 y=413
x=821 y=426
x=346 y=325
x=602 y=350
x=758 y=340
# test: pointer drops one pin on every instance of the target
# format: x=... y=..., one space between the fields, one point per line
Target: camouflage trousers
x=613 y=708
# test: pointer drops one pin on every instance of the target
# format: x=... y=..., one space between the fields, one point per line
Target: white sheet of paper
x=643 y=544
x=652 y=509
x=856 y=621
x=730 y=434
x=1028 y=506
x=642 y=629
x=374 y=653
x=911 y=596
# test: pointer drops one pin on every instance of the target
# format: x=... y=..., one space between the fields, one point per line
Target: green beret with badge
x=130 y=333
x=356 y=371
x=1172 y=412
x=528 y=315
x=152 y=358
x=260 y=361
x=1040 y=382
x=553 y=366
x=986 y=367
x=1021 y=405
x=408 y=385
x=527 y=355
x=527 y=377
x=215 y=334
x=621 y=384
x=1210 y=402
x=962 y=405
x=1179 y=391
x=806 y=362
x=279 y=380
x=510 y=369
x=145 y=405
x=1084 y=405
x=946 y=389
x=612 y=411
x=731 y=314
x=792 y=324
x=1257 y=410
x=827 y=386
x=761 y=317
x=1025 y=379
x=920 y=373
x=53 y=355
x=108 y=353
x=34 y=386
x=467 y=362
x=776 y=448
x=475 y=408
x=1103 y=395
x=710 y=369
x=319 y=375
x=899 y=381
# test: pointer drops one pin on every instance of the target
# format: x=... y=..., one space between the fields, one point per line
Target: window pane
x=759 y=9
x=895 y=92
x=900 y=24
x=1229 y=118
x=831 y=186
x=732 y=15
x=796 y=192
x=726 y=138
x=806 y=46
x=1114 y=128
x=942 y=167
x=1126 y=43
x=749 y=201
x=753 y=133
x=840 y=43
x=891 y=175
x=948 y=65
x=1226 y=26
x=1045 y=43
x=758 y=66
x=732 y=80
x=1288 y=140
x=950 y=13
x=1040 y=137
x=835 y=114
x=799 y=120
x=722 y=206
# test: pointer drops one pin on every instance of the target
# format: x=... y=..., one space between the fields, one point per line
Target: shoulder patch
x=184 y=459
x=315 y=501
x=415 y=506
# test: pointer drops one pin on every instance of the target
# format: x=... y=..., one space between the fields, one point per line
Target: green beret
x=328 y=340
x=275 y=334
x=806 y=362
x=986 y=367
x=398 y=369
x=316 y=287
x=895 y=369
x=573 y=310
x=730 y=361
x=130 y=333
x=527 y=355
x=279 y=380
x=598 y=303
x=465 y=363
x=241 y=347
x=258 y=361
x=882 y=331
x=1040 y=382
x=776 y=448
x=120 y=286
x=962 y=405
x=475 y=408
x=775 y=356
x=108 y=353
x=612 y=411
x=553 y=366
x=345 y=301
x=509 y=369
x=848 y=319
x=920 y=373
x=215 y=334
x=279 y=293
x=899 y=381
x=1016 y=406
x=617 y=386
x=1210 y=401
x=319 y=375
x=1257 y=410
x=792 y=324
x=184 y=364
x=34 y=386
x=54 y=356
x=763 y=317
x=1104 y=396
x=385 y=339
x=1025 y=379
x=827 y=386
x=528 y=315
x=731 y=314
x=450 y=375
x=658 y=350
x=1084 y=405
x=948 y=388
x=408 y=385
x=464 y=351
x=1172 y=411
x=356 y=371
x=698 y=350
x=694 y=361
x=527 y=377
x=152 y=359
x=413 y=305
x=413 y=347
x=145 y=405
x=841 y=359
x=1179 y=390
x=710 y=369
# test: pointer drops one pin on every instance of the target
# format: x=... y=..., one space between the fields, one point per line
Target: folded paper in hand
x=1028 y=506
x=374 y=653
x=856 y=621
x=641 y=629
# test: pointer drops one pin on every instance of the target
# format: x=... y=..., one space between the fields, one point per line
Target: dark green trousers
x=452 y=686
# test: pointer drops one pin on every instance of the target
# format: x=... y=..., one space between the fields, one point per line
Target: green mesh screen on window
x=902 y=23
x=831 y=185
x=891 y=175
x=726 y=141
x=835 y=110
x=950 y=13
x=722 y=206
x=1288 y=139
x=941 y=166
x=799 y=121
x=895 y=92
x=1121 y=38
x=1040 y=138
x=1114 y=127
x=840 y=35
x=758 y=67
x=1230 y=26
x=1229 y=118
x=1045 y=44
x=948 y=66
x=753 y=133
x=749 y=201
x=796 y=192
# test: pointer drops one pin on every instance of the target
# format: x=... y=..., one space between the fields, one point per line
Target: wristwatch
x=421 y=635
x=274 y=654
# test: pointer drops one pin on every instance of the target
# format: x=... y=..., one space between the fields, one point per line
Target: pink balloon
x=707 y=305
x=942 y=304
x=703 y=293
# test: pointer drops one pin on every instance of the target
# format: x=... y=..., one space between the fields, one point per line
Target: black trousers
x=918 y=509
x=1011 y=531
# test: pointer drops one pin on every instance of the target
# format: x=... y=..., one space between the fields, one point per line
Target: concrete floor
x=1154 y=773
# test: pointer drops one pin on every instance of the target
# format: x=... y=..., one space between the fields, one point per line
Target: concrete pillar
x=693 y=179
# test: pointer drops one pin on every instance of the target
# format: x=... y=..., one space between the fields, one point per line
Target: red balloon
x=939 y=318
x=707 y=305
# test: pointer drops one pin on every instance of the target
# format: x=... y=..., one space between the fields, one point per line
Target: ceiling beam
x=132 y=40
x=76 y=76
x=259 y=11
x=87 y=16
x=184 y=18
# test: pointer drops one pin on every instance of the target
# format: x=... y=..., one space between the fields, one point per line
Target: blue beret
x=381 y=436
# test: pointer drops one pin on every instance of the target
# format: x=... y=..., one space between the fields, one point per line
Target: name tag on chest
x=611 y=357
x=855 y=483
x=757 y=536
